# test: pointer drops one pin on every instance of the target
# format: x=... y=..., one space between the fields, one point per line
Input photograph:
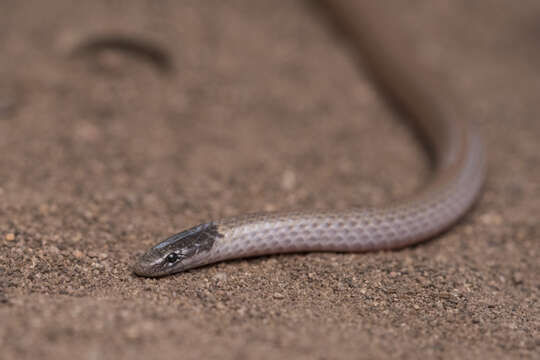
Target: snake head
x=179 y=252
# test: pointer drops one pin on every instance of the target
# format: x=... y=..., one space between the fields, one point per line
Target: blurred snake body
x=455 y=146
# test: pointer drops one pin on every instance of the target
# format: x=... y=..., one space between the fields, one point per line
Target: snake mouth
x=143 y=270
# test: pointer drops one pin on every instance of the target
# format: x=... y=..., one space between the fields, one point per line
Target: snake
x=454 y=144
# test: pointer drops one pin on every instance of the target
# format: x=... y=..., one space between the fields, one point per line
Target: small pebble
x=491 y=219
x=78 y=254
x=288 y=180
x=517 y=278
x=10 y=237
x=278 y=295
x=220 y=276
x=241 y=311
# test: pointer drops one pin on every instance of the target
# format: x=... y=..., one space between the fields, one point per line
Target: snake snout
x=140 y=268
x=145 y=265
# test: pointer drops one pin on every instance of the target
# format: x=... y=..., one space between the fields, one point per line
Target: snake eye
x=172 y=257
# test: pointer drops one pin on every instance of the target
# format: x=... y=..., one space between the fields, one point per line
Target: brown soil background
x=102 y=154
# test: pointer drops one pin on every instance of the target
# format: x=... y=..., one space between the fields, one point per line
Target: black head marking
x=178 y=251
x=202 y=235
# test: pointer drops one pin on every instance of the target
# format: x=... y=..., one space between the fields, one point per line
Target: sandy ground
x=104 y=152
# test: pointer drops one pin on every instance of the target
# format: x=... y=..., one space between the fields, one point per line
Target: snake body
x=457 y=151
